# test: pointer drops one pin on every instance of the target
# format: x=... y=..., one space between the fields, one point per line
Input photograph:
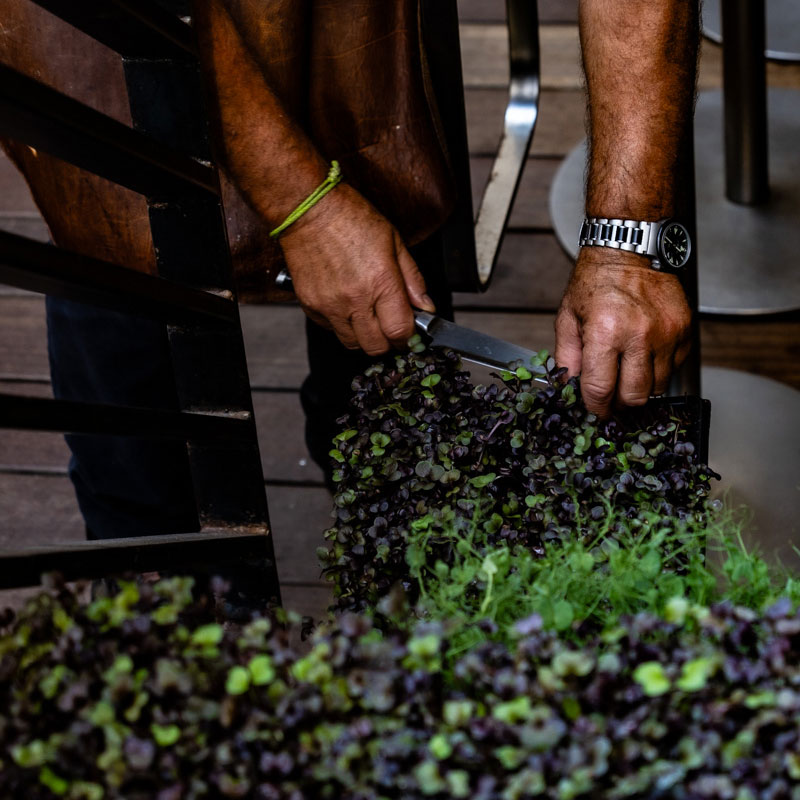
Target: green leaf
x=431 y=380
x=523 y=373
x=651 y=677
x=524 y=402
x=458 y=783
x=336 y=455
x=207 y=635
x=345 y=435
x=513 y=711
x=493 y=524
x=572 y=708
x=53 y=782
x=563 y=615
x=650 y=563
x=238 y=681
x=261 y=670
x=165 y=735
x=479 y=481
x=695 y=674
x=440 y=747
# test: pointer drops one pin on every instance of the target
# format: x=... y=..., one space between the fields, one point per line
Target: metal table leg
x=783 y=27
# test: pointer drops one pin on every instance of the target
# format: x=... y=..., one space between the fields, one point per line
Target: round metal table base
x=783 y=27
x=746 y=254
x=755 y=446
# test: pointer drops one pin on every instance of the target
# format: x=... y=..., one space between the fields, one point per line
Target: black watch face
x=675 y=245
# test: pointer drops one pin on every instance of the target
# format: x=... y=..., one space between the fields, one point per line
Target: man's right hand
x=352 y=273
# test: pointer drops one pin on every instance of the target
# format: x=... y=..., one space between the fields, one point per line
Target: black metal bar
x=54 y=123
x=207 y=551
x=439 y=23
x=40 y=267
x=45 y=414
x=745 y=101
x=686 y=380
x=141 y=28
x=190 y=239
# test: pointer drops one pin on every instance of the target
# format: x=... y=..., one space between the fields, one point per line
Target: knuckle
x=375 y=348
x=399 y=331
x=634 y=398
x=597 y=393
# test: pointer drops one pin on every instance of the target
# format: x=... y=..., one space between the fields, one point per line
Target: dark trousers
x=130 y=487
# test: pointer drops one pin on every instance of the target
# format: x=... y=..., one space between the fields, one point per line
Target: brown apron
x=350 y=71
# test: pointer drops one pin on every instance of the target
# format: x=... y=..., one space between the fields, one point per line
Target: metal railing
x=165 y=156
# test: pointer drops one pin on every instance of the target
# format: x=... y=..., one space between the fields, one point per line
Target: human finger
x=662 y=370
x=412 y=278
x=599 y=374
x=395 y=317
x=635 y=382
x=343 y=329
x=368 y=333
x=569 y=347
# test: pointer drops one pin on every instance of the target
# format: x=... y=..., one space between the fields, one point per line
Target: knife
x=479 y=348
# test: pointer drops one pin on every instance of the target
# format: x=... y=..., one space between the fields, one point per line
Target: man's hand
x=623 y=327
x=352 y=273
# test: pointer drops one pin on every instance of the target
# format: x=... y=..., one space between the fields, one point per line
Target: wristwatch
x=666 y=242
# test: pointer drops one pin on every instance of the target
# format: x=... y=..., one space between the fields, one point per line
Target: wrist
x=310 y=201
x=666 y=242
x=609 y=257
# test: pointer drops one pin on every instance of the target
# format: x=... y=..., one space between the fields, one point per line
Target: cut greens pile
x=520 y=464
x=134 y=697
x=525 y=610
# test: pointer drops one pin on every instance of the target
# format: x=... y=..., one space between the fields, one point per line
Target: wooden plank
x=531 y=273
x=31 y=226
x=559 y=128
x=530 y=208
x=298 y=516
x=15 y=197
x=785 y=75
x=484 y=56
x=764 y=346
x=275 y=342
x=308 y=600
x=38 y=511
x=280 y=423
x=33 y=450
x=23 y=336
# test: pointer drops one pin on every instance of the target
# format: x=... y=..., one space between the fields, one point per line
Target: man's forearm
x=351 y=270
x=622 y=325
x=640 y=62
x=269 y=157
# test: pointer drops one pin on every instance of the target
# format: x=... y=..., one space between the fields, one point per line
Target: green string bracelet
x=334 y=176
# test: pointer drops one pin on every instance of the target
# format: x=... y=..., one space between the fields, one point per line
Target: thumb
x=412 y=277
x=569 y=345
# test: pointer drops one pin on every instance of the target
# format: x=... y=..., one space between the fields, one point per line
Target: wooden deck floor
x=36 y=500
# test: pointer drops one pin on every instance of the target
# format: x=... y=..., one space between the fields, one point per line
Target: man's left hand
x=623 y=327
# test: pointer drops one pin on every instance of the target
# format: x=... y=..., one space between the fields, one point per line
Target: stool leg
x=745 y=101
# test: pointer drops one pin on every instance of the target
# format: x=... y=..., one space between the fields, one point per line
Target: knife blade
x=479 y=348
